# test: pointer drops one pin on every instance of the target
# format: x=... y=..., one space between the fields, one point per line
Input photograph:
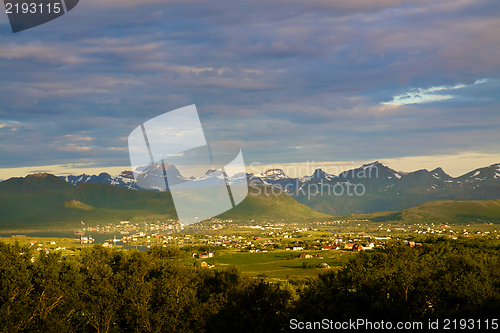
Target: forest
x=112 y=290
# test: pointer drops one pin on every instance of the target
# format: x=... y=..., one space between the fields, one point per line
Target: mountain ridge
x=388 y=190
x=384 y=189
x=27 y=202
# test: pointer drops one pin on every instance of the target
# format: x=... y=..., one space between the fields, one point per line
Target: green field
x=70 y=244
x=279 y=264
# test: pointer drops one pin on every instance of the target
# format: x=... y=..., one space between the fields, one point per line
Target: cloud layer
x=289 y=81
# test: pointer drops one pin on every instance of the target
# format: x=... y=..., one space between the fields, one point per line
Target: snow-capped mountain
x=482 y=174
x=273 y=175
x=125 y=179
x=384 y=189
x=151 y=176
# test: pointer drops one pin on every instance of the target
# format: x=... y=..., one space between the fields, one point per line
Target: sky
x=413 y=84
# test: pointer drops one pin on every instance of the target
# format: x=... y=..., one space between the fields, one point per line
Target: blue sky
x=289 y=81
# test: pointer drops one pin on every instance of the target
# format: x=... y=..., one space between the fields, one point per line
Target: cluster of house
x=350 y=246
x=126 y=227
x=411 y=243
x=205 y=255
x=256 y=250
x=46 y=249
x=309 y=256
x=358 y=247
x=86 y=240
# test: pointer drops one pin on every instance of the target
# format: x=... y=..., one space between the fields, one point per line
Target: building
x=369 y=247
x=356 y=248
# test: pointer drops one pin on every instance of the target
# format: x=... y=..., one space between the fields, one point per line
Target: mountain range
x=47 y=200
x=378 y=187
x=384 y=189
x=43 y=200
x=149 y=178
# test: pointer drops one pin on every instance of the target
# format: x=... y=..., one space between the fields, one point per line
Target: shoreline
x=17 y=232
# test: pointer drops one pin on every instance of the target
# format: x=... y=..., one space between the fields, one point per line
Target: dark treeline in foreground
x=101 y=290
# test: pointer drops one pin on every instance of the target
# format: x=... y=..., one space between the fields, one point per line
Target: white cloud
x=420 y=95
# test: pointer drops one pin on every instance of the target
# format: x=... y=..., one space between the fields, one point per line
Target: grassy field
x=279 y=264
x=69 y=244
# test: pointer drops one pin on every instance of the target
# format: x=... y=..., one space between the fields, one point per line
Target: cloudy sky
x=414 y=84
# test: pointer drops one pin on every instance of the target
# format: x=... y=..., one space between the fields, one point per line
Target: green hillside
x=447 y=211
x=455 y=211
x=261 y=206
x=43 y=201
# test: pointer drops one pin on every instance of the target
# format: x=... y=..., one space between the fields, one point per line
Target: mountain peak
x=33 y=183
x=319 y=174
x=274 y=173
x=439 y=173
x=370 y=165
x=39 y=175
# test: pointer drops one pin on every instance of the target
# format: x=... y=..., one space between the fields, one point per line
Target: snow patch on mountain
x=274 y=174
x=370 y=165
x=475 y=174
x=127 y=180
x=159 y=189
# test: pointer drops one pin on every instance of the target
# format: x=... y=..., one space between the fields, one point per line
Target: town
x=277 y=249
x=256 y=237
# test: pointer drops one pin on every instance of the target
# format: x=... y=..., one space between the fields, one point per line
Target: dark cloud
x=272 y=76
